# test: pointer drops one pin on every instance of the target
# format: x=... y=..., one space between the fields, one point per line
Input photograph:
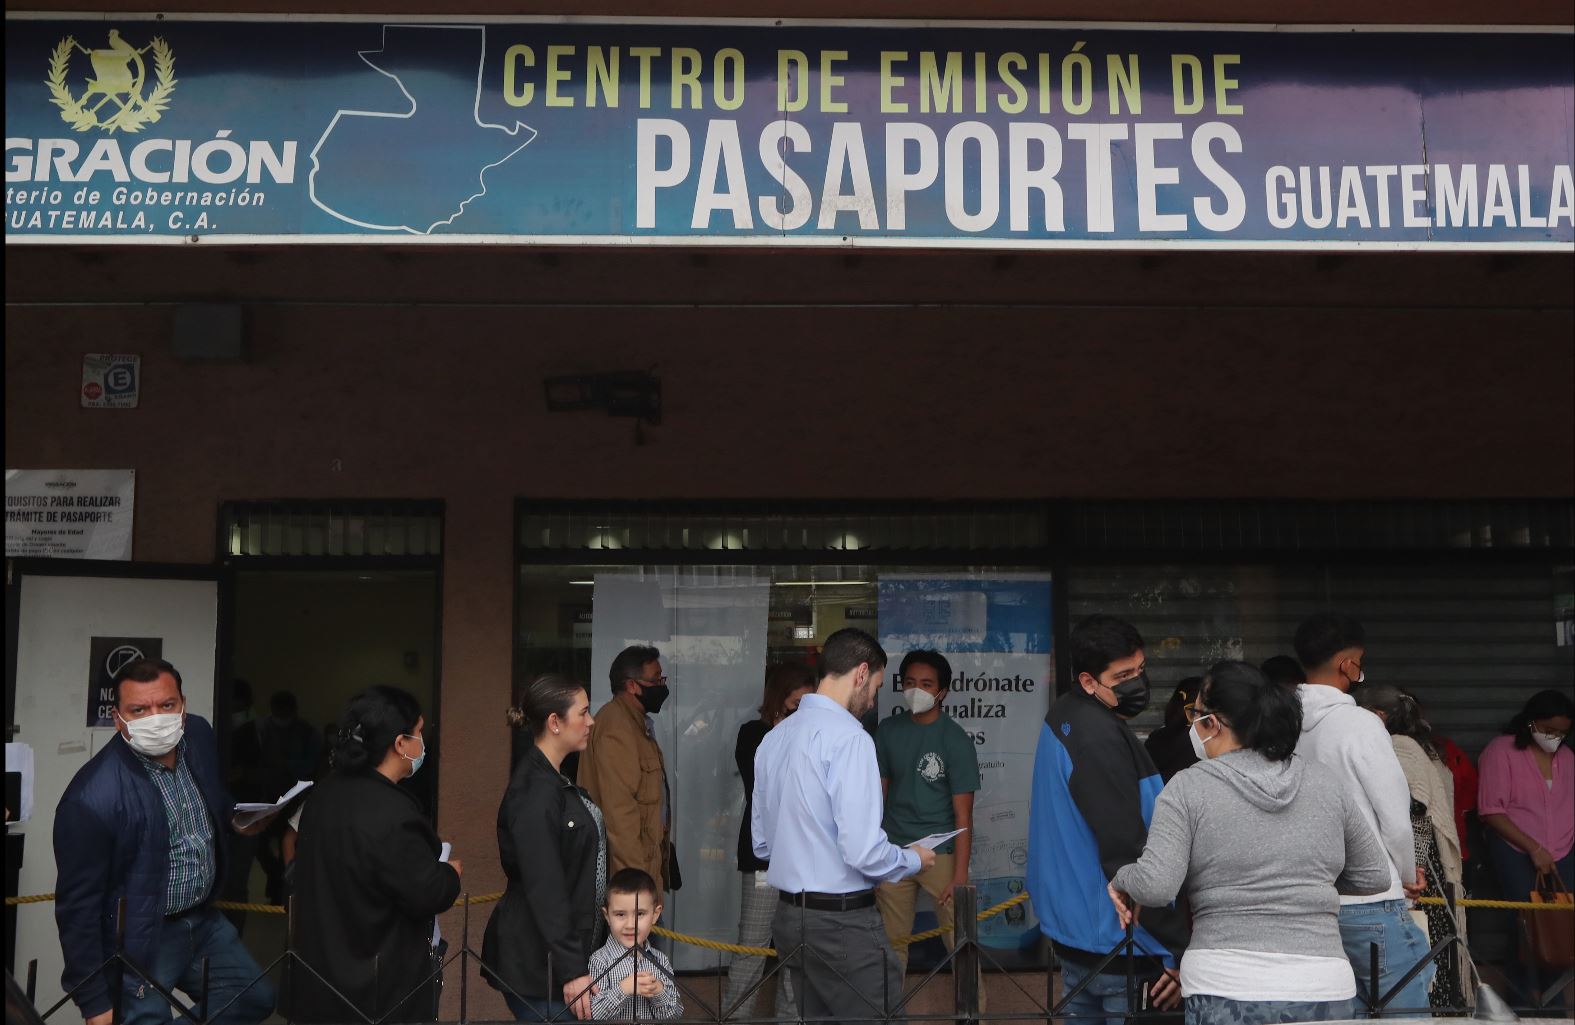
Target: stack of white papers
x=250 y=813
x=934 y=840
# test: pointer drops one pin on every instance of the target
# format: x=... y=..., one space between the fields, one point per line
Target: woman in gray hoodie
x=1263 y=844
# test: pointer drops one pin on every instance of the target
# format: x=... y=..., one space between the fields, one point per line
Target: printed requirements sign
x=894 y=133
x=69 y=514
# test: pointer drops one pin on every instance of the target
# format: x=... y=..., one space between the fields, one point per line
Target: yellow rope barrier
x=735 y=948
x=1506 y=905
x=37 y=898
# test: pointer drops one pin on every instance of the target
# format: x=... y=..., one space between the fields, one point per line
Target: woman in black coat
x=554 y=851
x=367 y=876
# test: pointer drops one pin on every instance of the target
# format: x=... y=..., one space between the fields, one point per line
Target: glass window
x=719 y=627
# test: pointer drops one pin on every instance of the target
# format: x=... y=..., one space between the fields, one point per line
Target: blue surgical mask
x=415 y=763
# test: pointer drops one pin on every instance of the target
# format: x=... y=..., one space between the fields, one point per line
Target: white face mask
x=1547 y=741
x=155 y=735
x=918 y=701
x=1197 y=741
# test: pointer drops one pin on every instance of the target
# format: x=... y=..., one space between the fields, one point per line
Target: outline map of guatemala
x=423 y=181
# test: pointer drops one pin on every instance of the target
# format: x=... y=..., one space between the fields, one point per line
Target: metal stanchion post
x=464 y=963
x=634 y=996
x=1131 y=945
x=118 y=982
x=1050 y=966
x=1374 y=993
x=32 y=979
x=202 y=995
x=289 y=958
x=965 y=943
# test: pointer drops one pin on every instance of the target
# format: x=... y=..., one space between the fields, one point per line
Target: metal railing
x=966 y=959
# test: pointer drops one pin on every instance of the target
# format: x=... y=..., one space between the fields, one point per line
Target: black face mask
x=653 y=696
x=1131 y=696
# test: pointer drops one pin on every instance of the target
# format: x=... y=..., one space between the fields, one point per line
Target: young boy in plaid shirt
x=626 y=970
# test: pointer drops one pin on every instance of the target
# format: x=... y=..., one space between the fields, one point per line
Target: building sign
x=106 y=657
x=134 y=129
x=110 y=380
x=995 y=632
x=69 y=514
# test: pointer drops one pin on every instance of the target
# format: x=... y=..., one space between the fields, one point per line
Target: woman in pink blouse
x=1527 y=796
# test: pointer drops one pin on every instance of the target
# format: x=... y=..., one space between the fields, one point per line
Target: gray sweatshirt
x=1262 y=849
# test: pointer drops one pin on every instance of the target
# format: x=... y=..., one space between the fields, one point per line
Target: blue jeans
x=232 y=974
x=534 y=1009
x=1400 y=946
x=1105 y=994
x=1212 y=1010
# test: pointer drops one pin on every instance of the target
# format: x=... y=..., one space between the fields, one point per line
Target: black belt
x=854 y=901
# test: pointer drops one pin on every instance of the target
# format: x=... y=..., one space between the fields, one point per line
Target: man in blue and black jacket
x=1093 y=796
x=145 y=821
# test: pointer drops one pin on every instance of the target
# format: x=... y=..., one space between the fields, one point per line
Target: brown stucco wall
x=384 y=373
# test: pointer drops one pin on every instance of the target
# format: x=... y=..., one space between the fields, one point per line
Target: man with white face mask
x=144 y=821
x=1354 y=743
x=929 y=773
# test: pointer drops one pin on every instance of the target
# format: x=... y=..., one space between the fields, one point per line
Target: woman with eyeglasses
x=1168 y=745
x=1264 y=844
x=368 y=881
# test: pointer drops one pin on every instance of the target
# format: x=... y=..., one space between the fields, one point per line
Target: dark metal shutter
x=1472 y=641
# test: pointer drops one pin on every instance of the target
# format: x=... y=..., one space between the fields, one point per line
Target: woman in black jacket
x=554 y=851
x=367 y=876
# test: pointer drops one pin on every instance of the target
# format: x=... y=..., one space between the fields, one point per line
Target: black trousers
x=841 y=963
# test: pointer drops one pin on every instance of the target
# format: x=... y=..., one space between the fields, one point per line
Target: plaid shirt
x=192 y=862
x=618 y=963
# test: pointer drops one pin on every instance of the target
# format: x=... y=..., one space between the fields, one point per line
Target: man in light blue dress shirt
x=816 y=818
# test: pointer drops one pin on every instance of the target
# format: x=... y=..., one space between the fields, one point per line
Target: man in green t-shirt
x=929 y=772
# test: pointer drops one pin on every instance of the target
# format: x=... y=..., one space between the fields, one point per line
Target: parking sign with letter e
x=110 y=380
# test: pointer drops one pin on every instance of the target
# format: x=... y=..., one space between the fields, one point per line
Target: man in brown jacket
x=622 y=768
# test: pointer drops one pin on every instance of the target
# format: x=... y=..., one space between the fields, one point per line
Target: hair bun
x=515 y=717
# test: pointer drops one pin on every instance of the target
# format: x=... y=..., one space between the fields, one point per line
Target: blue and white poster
x=995 y=631
x=181 y=129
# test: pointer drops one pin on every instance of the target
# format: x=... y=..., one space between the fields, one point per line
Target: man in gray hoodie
x=1353 y=742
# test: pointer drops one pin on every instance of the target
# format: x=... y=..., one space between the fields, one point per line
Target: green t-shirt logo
x=924 y=766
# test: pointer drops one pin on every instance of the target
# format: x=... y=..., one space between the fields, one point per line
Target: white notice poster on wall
x=69 y=514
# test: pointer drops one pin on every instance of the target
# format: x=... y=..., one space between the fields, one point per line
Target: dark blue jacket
x=112 y=841
x=1093 y=797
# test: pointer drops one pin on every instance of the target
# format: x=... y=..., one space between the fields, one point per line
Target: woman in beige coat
x=1433 y=825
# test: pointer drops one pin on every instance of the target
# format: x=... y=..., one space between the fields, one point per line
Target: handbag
x=1551 y=933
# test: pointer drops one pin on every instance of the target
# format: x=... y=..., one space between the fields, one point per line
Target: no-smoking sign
x=111 y=380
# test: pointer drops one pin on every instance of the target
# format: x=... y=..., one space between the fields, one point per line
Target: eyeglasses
x=660 y=681
x=1193 y=713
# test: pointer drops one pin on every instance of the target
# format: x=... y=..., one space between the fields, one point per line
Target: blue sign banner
x=130 y=129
